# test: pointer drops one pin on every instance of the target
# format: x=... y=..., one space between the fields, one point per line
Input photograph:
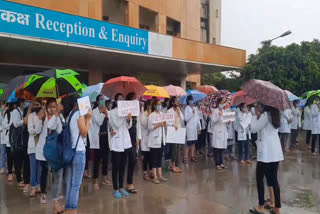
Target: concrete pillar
x=183 y=82
x=95 y=77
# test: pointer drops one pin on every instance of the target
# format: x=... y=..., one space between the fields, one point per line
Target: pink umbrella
x=175 y=91
x=241 y=97
x=207 y=89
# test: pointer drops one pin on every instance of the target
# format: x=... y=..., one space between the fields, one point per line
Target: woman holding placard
x=157 y=141
x=219 y=135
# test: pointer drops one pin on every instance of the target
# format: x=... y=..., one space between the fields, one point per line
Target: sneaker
x=156 y=181
x=117 y=195
x=123 y=192
x=2 y=171
x=43 y=199
x=162 y=179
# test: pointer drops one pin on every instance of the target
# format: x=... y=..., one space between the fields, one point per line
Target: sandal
x=176 y=170
x=146 y=177
x=185 y=160
x=272 y=211
x=223 y=166
x=218 y=168
x=268 y=207
x=193 y=159
x=255 y=211
x=132 y=191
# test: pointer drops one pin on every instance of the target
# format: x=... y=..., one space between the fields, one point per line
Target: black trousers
x=26 y=168
x=294 y=135
x=218 y=156
x=43 y=176
x=254 y=137
x=9 y=159
x=100 y=154
x=201 y=143
x=118 y=168
x=270 y=170
x=87 y=153
x=18 y=163
x=147 y=161
x=132 y=160
x=313 y=143
x=308 y=137
x=156 y=157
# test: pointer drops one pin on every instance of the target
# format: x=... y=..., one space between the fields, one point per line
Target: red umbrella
x=267 y=93
x=23 y=94
x=241 y=97
x=207 y=89
x=123 y=85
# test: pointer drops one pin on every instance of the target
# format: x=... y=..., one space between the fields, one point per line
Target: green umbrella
x=53 y=83
x=307 y=94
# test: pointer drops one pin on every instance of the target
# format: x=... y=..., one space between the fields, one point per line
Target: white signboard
x=160 y=45
x=159 y=118
x=228 y=116
x=84 y=105
x=127 y=107
x=176 y=136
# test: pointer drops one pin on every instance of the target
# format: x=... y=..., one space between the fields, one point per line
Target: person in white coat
x=295 y=124
x=119 y=142
x=244 y=134
x=266 y=123
x=157 y=141
x=285 y=130
x=315 y=133
x=202 y=136
x=144 y=145
x=220 y=134
x=193 y=126
x=3 y=157
x=307 y=123
x=99 y=113
x=6 y=123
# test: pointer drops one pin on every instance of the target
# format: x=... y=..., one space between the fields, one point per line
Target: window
x=204 y=11
x=148 y=20
x=173 y=27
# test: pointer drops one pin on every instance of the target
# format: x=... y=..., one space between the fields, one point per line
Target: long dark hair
x=172 y=101
x=130 y=96
x=116 y=97
x=275 y=116
x=68 y=104
x=146 y=104
x=96 y=104
x=154 y=104
x=189 y=98
x=8 y=111
x=164 y=104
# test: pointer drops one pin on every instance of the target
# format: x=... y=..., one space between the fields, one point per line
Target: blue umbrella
x=12 y=98
x=197 y=96
x=93 y=91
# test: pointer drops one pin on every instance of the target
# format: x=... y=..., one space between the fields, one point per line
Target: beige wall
x=215 y=21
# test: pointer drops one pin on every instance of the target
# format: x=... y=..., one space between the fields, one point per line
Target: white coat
x=157 y=136
x=307 y=123
x=315 y=119
x=220 y=133
x=6 y=126
x=34 y=128
x=202 y=119
x=120 y=125
x=236 y=122
x=193 y=123
x=1 y=128
x=244 y=123
x=210 y=126
x=54 y=124
x=268 y=143
x=144 y=132
x=17 y=117
x=94 y=129
x=285 y=116
x=296 y=115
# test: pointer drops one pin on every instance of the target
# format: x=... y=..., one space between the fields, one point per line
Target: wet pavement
x=200 y=189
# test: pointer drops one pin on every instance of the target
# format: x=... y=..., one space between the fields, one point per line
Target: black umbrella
x=13 y=84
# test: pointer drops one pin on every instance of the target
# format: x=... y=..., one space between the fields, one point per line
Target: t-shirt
x=74 y=129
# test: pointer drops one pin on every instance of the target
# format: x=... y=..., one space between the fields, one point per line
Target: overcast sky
x=245 y=23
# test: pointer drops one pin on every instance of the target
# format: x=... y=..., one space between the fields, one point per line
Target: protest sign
x=84 y=105
x=127 y=107
x=228 y=116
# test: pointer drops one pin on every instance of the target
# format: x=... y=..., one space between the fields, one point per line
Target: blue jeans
x=3 y=157
x=57 y=184
x=35 y=171
x=74 y=174
x=244 y=149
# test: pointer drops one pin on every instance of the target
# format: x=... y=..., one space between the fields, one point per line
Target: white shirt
x=193 y=123
x=1 y=128
x=307 y=124
x=285 y=116
x=94 y=129
x=144 y=132
x=244 y=129
x=268 y=143
x=156 y=136
x=120 y=125
x=75 y=132
x=220 y=133
x=6 y=126
x=34 y=128
x=296 y=115
x=315 y=119
x=17 y=117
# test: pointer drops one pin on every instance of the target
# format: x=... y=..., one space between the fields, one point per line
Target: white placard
x=126 y=107
x=160 y=45
x=228 y=116
x=84 y=105
x=176 y=136
x=166 y=117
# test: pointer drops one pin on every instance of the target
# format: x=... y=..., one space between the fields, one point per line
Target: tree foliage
x=220 y=81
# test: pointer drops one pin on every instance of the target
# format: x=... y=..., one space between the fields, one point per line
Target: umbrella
x=196 y=95
x=23 y=94
x=53 y=83
x=211 y=101
x=93 y=91
x=312 y=96
x=13 y=84
x=241 y=97
x=267 y=93
x=207 y=89
x=123 y=85
x=307 y=94
x=156 y=91
x=12 y=97
x=291 y=96
x=175 y=91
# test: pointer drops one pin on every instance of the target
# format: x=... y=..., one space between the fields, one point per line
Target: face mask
x=159 y=107
x=191 y=102
x=37 y=110
x=221 y=107
x=26 y=104
x=101 y=103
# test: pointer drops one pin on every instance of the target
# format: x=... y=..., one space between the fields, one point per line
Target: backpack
x=58 y=149
x=17 y=135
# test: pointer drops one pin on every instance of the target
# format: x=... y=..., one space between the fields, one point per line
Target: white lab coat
x=193 y=123
x=315 y=119
x=34 y=128
x=120 y=125
x=6 y=126
x=54 y=124
x=307 y=123
x=202 y=119
x=144 y=132
x=220 y=133
x=157 y=136
x=210 y=126
x=236 y=122
x=17 y=117
x=296 y=115
x=285 y=116
x=178 y=120
x=268 y=143
x=244 y=123
x=1 y=128
x=94 y=129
